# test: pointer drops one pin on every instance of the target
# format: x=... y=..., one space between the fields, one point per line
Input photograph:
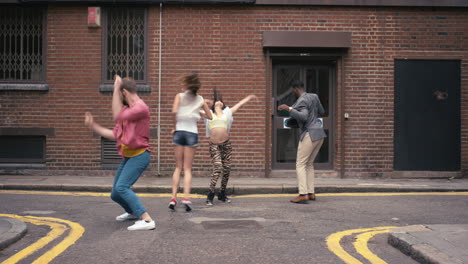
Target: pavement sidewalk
x=11 y=230
x=432 y=244
x=443 y=244
x=236 y=186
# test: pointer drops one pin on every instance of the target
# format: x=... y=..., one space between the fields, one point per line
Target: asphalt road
x=249 y=230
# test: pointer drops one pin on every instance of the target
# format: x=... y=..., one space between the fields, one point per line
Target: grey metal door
x=318 y=78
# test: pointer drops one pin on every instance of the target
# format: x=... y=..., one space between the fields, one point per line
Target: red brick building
x=392 y=75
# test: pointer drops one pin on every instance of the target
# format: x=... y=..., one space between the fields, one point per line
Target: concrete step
x=292 y=174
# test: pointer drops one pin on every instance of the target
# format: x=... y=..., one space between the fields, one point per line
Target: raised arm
x=117 y=104
x=208 y=102
x=242 y=102
x=98 y=129
x=207 y=111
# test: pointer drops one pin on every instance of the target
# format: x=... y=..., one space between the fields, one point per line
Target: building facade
x=393 y=78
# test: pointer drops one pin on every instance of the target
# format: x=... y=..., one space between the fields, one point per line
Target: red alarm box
x=94 y=16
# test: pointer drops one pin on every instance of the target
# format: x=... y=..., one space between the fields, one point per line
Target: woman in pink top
x=131 y=132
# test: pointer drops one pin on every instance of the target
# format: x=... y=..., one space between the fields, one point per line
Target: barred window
x=21 y=44
x=126 y=50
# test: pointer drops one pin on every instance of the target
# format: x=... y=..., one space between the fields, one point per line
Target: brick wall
x=228 y=57
x=224 y=44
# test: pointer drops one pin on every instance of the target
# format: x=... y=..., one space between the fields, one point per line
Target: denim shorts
x=185 y=138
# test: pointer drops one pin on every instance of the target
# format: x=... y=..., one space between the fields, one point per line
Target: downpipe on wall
x=159 y=89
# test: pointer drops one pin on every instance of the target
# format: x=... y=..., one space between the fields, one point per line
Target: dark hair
x=296 y=84
x=129 y=84
x=192 y=82
x=217 y=96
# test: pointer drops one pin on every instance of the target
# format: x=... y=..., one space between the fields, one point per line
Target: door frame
x=299 y=59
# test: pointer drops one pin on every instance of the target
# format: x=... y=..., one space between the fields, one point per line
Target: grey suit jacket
x=306 y=111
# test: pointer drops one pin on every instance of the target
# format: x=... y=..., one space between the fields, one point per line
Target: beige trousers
x=306 y=153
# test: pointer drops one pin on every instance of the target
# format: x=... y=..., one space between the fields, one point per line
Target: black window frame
x=107 y=85
x=31 y=85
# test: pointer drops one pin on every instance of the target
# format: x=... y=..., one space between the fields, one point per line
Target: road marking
x=353 y=194
x=394 y=194
x=361 y=246
x=56 y=231
x=58 y=226
x=333 y=243
x=75 y=233
x=94 y=194
x=159 y=195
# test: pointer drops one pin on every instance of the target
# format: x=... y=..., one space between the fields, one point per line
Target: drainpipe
x=268 y=144
x=343 y=119
x=159 y=90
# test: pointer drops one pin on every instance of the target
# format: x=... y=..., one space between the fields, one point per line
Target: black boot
x=222 y=197
x=209 y=198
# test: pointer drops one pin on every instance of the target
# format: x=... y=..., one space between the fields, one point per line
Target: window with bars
x=125 y=41
x=22 y=44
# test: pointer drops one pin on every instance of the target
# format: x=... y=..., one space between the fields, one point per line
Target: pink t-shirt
x=135 y=121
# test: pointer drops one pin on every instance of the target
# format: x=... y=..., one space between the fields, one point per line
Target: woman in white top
x=186 y=110
x=217 y=129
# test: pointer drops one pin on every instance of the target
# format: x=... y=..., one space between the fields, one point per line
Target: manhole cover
x=231 y=224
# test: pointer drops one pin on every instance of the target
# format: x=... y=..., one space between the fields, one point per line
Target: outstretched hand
x=254 y=97
x=283 y=107
x=244 y=101
x=89 y=119
x=117 y=81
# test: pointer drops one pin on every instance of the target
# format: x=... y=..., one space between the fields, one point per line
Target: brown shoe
x=300 y=199
x=311 y=196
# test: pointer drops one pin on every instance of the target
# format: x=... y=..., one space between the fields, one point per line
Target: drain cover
x=231 y=224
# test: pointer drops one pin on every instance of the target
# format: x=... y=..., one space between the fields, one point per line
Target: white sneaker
x=126 y=216
x=142 y=225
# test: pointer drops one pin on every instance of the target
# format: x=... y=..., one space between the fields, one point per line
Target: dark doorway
x=427 y=115
x=319 y=78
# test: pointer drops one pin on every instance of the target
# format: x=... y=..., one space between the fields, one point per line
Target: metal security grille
x=126 y=40
x=109 y=154
x=21 y=43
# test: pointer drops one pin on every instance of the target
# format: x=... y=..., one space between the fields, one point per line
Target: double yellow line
x=360 y=244
x=58 y=228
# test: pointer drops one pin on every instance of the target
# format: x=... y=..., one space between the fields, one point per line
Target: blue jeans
x=127 y=174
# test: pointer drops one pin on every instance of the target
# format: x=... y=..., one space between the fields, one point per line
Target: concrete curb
x=236 y=189
x=15 y=232
x=416 y=248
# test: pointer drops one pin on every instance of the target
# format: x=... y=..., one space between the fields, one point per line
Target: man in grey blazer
x=306 y=112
